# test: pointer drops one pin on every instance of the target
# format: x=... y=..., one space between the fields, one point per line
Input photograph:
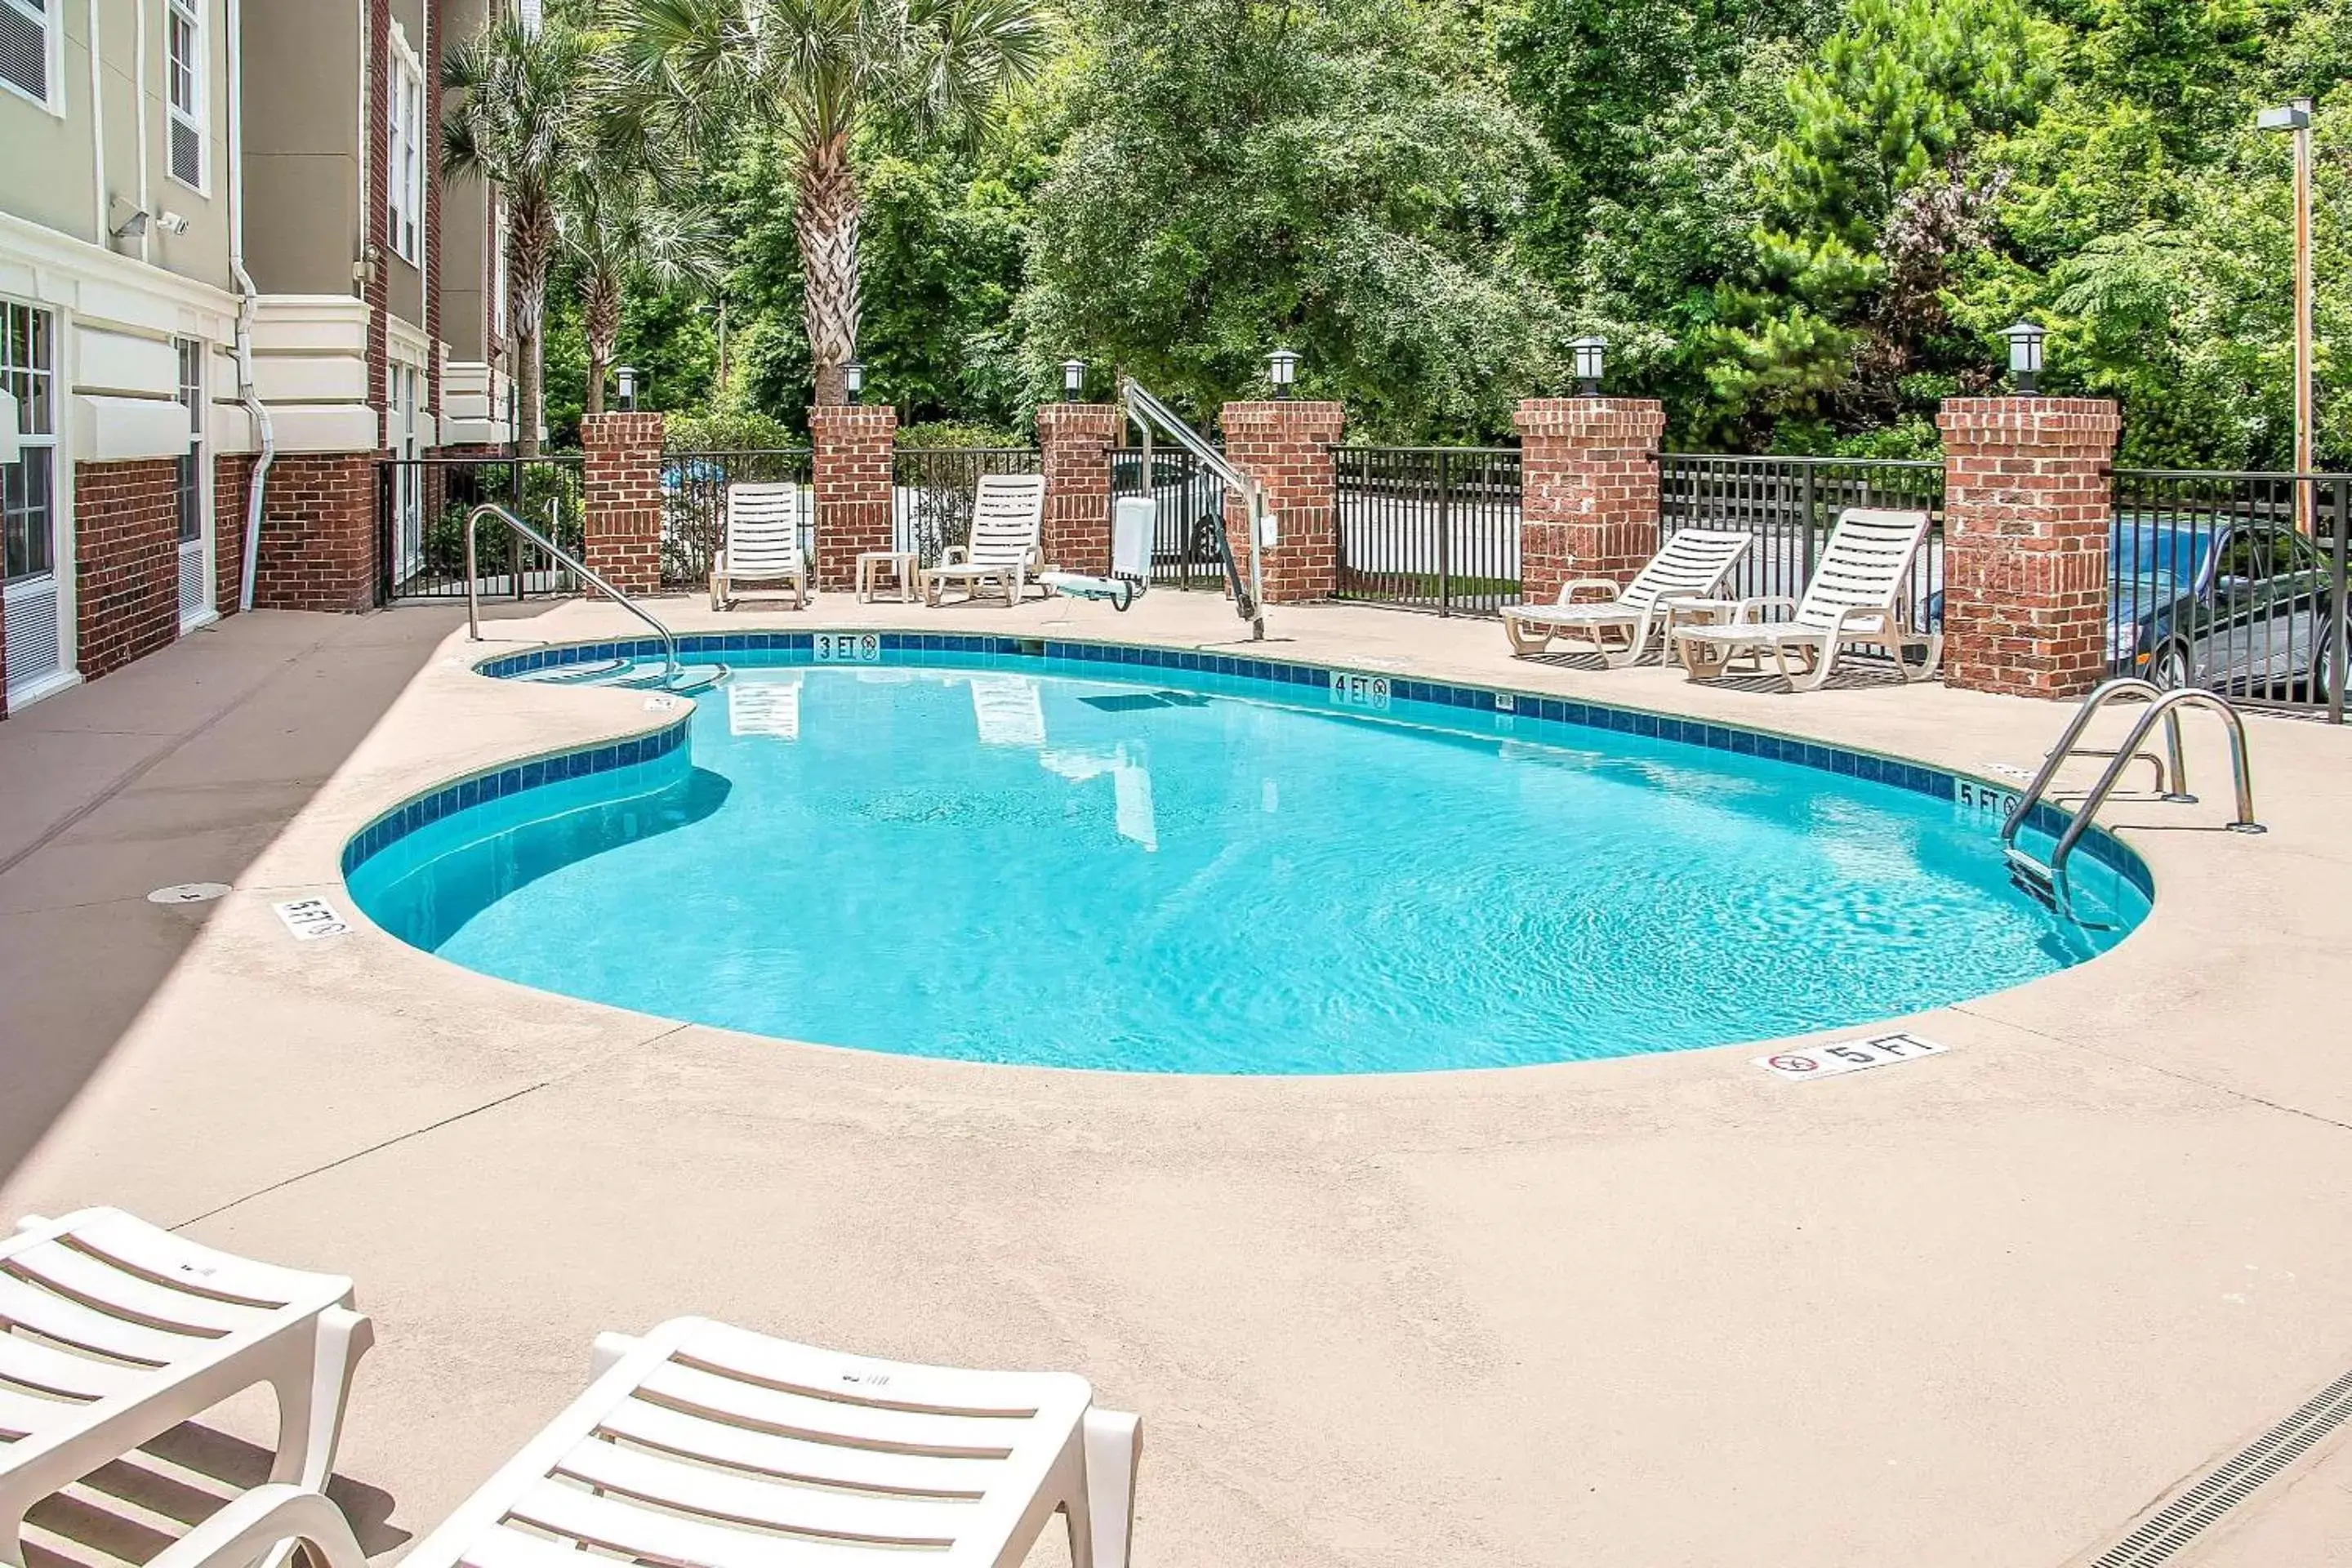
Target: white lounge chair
x=1856 y=598
x=763 y=546
x=1691 y=565
x=1007 y=514
x=112 y=1332
x=705 y=1444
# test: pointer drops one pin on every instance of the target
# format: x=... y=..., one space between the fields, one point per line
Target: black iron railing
x=694 y=503
x=1433 y=528
x=421 y=506
x=2233 y=582
x=1189 y=499
x=1791 y=503
x=933 y=487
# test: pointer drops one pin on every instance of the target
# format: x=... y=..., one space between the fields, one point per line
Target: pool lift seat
x=1134 y=519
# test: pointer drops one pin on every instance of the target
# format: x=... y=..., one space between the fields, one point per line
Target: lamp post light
x=1282 y=369
x=627 y=376
x=853 y=380
x=2025 y=357
x=1074 y=380
x=2295 y=119
x=1589 y=352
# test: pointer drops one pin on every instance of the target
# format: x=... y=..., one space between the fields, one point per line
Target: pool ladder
x=2047 y=879
x=672 y=670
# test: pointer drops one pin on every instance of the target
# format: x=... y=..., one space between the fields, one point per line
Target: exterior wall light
x=1074 y=380
x=1589 y=353
x=626 y=377
x=853 y=380
x=1282 y=369
x=2025 y=357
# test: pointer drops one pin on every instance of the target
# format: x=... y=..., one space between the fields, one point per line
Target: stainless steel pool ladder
x=2163 y=707
x=670 y=668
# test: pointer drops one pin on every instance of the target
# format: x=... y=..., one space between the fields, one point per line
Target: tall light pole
x=2295 y=117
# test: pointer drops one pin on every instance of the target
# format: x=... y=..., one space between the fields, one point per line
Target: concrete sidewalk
x=1652 y=1311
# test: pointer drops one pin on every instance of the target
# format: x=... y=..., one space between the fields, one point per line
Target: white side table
x=896 y=564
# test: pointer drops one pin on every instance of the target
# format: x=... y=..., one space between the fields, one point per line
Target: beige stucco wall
x=302 y=144
x=51 y=174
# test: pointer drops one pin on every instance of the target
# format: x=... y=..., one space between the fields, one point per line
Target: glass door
x=195 y=494
x=32 y=609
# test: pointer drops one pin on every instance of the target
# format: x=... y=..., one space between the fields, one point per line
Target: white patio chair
x=762 y=547
x=1691 y=565
x=1007 y=514
x=1856 y=598
x=112 y=1332
x=710 y=1446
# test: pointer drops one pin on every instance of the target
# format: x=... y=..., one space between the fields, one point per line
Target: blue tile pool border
x=778 y=648
x=488 y=784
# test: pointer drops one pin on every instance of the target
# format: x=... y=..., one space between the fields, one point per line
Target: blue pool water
x=1139 y=869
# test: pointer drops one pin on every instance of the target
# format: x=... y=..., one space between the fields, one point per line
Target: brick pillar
x=232 y=490
x=1287 y=447
x=1589 y=477
x=852 y=448
x=318 y=533
x=2026 y=513
x=622 y=488
x=126 y=562
x=1075 y=440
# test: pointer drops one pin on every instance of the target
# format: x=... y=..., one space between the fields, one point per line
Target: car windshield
x=2159 y=553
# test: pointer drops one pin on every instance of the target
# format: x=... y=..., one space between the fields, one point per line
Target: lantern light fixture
x=2025 y=356
x=1591 y=353
x=1074 y=380
x=1282 y=369
x=853 y=380
x=625 y=376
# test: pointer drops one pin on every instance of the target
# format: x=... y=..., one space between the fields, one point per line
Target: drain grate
x=2180 y=1521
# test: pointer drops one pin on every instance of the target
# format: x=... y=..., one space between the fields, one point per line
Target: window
x=28 y=39
x=404 y=176
x=192 y=394
x=184 y=85
x=28 y=487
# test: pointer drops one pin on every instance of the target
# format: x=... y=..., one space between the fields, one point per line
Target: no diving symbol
x=1795 y=1063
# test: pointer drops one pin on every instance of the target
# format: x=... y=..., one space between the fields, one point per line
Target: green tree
x=624 y=234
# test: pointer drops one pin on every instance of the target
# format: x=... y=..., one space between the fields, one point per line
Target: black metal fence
x=1791 y=503
x=2235 y=582
x=1433 y=528
x=421 y=507
x=932 y=490
x=693 y=504
x=1187 y=548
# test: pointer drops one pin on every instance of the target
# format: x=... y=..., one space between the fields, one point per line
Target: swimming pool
x=992 y=853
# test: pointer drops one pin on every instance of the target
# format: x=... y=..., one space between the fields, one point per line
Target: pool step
x=634 y=675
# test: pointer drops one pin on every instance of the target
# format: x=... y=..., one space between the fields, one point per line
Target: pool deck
x=1656 y=1310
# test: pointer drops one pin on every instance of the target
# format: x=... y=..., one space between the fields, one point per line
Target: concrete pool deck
x=1656 y=1310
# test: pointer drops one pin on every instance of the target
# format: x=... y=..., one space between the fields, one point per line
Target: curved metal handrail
x=2115 y=690
x=473 y=601
x=1143 y=411
x=2240 y=767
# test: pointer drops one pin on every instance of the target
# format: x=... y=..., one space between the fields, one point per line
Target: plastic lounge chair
x=709 y=1446
x=763 y=545
x=1855 y=599
x=1691 y=565
x=113 y=1333
x=1006 y=514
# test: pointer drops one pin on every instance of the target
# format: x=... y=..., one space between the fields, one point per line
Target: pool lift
x=676 y=677
x=1135 y=520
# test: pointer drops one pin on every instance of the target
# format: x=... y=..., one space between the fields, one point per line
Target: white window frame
x=195 y=114
x=51 y=21
x=403 y=175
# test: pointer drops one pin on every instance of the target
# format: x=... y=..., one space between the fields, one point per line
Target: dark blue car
x=2239 y=605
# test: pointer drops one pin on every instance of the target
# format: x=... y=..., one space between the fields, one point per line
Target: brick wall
x=318 y=533
x=1073 y=441
x=2026 y=515
x=623 y=499
x=1287 y=447
x=231 y=489
x=1588 y=505
x=127 y=561
x=852 y=451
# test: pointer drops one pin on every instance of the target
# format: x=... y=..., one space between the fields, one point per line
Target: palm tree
x=622 y=230
x=810 y=71
x=518 y=100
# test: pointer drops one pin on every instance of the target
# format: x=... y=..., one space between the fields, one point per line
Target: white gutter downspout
x=246 y=293
x=101 y=231
x=146 y=203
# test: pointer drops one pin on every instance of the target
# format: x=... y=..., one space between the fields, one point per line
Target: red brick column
x=1589 y=477
x=623 y=494
x=1287 y=447
x=232 y=493
x=126 y=562
x=1074 y=440
x=318 y=533
x=852 y=448
x=2026 y=513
